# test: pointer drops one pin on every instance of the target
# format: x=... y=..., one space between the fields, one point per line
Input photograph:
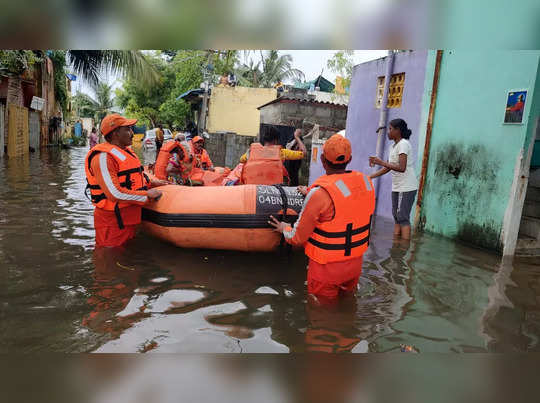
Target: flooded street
x=59 y=295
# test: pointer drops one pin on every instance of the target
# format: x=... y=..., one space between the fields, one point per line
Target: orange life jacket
x=130 y=172
x=160 y=167
x=235 y=175
x=346 y=236
x=201 y=159
x=264 y=166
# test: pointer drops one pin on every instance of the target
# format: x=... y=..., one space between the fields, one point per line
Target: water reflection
x=59 y=294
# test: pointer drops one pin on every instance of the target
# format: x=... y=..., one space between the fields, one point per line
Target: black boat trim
x=210 y=220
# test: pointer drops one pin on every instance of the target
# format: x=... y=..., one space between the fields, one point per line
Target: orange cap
x=196 y=139
x=337 y=149
x=113 y=121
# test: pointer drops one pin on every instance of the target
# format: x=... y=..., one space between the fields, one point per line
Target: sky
x=311 y=62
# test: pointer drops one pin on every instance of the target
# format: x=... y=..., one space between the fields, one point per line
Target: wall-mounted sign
x=37 y=103
x=515 y=106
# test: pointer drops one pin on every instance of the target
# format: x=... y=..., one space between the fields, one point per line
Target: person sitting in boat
x=334 y=223
x=183 y=152
x=201 y=158
x=178 y=168
x=264 y=162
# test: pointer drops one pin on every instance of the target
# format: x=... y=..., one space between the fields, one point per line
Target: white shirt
x=403 y=181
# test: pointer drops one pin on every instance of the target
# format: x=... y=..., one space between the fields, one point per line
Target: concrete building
x=365 y=108
x=234 y=109
x=478 y=176
x=232 y=119
x=23 y=128
x=478 y=166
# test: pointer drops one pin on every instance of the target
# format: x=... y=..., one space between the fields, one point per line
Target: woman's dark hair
x=402 y=126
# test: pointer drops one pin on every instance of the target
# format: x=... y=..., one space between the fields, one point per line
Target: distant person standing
x=159 y=138
x=293 y=166
x=404 y=183
x=93 y=137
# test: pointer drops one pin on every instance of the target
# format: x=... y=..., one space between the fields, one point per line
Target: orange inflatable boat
x=221 y=217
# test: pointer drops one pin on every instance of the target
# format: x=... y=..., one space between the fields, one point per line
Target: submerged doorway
x=528 y=242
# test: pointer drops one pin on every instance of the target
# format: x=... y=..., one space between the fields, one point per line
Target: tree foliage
x=182 y=70
x=96 y=107
x=342 y=63
x=17 y=61
x=270 y=69
x=158 y=104
x=90 y=64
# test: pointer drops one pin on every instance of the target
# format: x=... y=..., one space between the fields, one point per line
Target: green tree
x=17 y=61
x=270 y=69
x=97 y=107
x=249 y=74
x=278 y=68
x=342 y=63
x=158 y=104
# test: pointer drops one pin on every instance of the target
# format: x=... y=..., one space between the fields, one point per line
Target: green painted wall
x=473 y=154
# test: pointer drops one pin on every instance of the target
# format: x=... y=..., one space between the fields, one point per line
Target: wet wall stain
x=484 y=235
x=465 y=184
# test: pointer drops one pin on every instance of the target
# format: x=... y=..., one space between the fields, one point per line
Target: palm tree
x=278 y=68
x=96 y=107
x=269 y=70
x=91 y=63
x=249 y=74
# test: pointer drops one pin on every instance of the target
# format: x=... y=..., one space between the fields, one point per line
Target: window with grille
x=380 y=92
x=395 y=91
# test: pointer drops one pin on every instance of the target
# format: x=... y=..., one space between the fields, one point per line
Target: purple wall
x=363 y=117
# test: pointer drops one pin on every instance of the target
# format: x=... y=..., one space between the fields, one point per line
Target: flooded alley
x=58 y=294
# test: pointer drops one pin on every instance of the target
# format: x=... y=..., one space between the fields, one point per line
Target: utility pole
x=207 y=74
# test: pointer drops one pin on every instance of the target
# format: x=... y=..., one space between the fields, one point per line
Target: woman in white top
x=404 y=183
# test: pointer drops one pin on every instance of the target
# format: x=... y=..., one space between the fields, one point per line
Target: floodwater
x=59 y=295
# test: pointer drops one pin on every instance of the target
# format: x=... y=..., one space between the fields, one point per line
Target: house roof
x=304 y=101
x=320 y=81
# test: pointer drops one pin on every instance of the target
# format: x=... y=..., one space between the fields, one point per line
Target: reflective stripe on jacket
x=130 y=173
x=346 y=236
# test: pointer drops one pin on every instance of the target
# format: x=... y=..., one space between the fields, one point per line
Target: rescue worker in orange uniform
x=201 y=158
x=181 y=148
x=201 y=161
x=118 y=186
x=334 y=223
x=264 y=162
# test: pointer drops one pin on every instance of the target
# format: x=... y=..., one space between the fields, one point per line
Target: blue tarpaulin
x=78 y=129
x=194 y=92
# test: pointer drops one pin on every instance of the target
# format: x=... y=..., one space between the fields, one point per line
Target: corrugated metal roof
x=302 y=101
x=338 y=99
x=320 y=82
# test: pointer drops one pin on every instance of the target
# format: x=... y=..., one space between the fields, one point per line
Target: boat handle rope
x=285 y=207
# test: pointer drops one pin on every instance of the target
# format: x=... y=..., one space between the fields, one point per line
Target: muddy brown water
x=59 y=295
